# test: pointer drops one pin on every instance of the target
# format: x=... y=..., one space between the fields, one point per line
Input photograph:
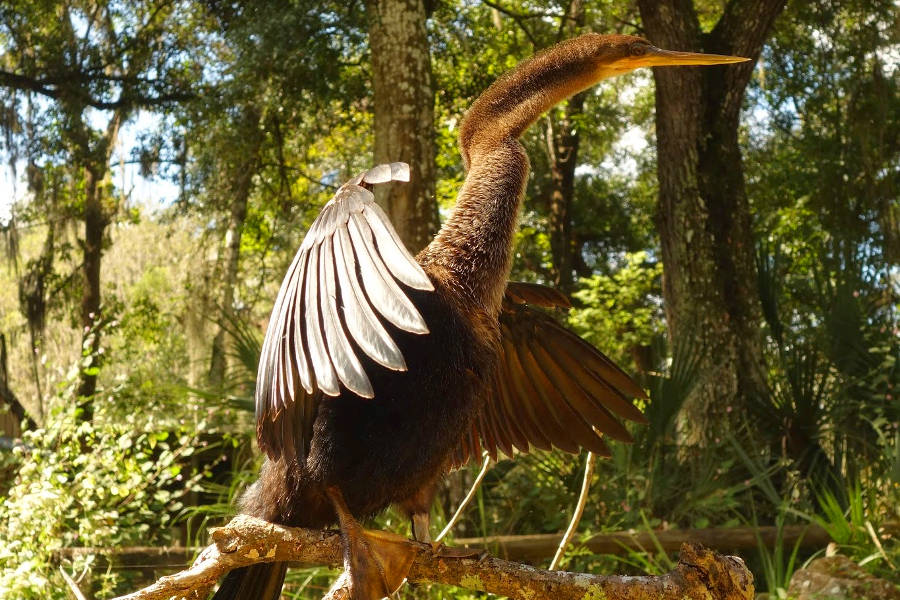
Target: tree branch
x=49 y=87
x=21 y=82
x=700 y=573
x=745 y=25
x=742 y=30
x=519 y=18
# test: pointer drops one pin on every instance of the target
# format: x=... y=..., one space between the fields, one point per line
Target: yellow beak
x=657 y=57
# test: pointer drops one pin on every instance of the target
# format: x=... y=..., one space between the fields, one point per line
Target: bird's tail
x=281 y=495
x=261 y=581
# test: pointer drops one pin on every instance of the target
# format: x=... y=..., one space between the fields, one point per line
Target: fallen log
x=700 y=573
x=524 y=548
x=532 y=548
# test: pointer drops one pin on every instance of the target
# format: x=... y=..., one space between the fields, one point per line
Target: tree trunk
x=33 y=293
x=92 y=250
x=11 y=427
x=241 y=185
x=96 y=164
x=563 y=141
x=704 y=220
x=404 y=115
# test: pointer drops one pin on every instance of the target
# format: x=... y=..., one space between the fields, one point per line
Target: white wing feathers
x=344 y=275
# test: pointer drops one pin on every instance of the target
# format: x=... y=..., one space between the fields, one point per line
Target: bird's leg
x=421 y=523
x=377 y=561
x=418 y=508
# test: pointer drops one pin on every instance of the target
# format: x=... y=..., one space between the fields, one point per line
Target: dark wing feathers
x=344 y=275
x=520 y=292
x=520 y=384
x=527 y=420
x=550 y=387
x=596 y=374
x=555 y=410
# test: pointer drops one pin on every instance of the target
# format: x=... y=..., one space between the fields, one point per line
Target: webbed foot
x=441 y=550
x=377 y=561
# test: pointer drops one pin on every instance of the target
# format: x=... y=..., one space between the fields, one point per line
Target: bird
x=380 y=372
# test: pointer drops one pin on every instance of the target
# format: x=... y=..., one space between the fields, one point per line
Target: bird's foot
x=441 y=550
x=379 y=562
x=421 y=533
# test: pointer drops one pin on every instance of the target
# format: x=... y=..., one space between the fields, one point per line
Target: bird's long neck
x=473 y=249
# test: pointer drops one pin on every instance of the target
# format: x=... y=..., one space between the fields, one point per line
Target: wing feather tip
x=399 y=171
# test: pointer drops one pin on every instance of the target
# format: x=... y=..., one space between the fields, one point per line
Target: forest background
x=731 y=240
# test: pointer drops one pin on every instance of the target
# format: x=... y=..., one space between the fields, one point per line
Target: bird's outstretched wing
x=343 y=277
x=550 y=388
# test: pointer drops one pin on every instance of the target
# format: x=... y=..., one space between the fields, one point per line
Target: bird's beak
x=657 y=57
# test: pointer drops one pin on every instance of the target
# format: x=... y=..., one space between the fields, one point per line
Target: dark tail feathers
x=261 y=581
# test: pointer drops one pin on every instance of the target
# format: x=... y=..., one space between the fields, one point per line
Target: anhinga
x=379 y=372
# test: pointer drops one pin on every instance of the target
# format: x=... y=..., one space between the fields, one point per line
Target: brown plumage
x=379 y=372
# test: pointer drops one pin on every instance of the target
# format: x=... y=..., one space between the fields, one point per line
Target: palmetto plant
x=833 y=368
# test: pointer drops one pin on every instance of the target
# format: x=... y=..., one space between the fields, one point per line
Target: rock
x=839 y=578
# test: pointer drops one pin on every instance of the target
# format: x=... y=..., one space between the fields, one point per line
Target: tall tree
x=404 y=114
x=238 y=174
x=95 y=63
x=704 y=220
x=563 y=141
x=287 y=61
x=562 y=136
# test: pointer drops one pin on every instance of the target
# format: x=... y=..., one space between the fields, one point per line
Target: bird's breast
x=382 y=450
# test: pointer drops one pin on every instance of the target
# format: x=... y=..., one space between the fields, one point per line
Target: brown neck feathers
x=473 y=248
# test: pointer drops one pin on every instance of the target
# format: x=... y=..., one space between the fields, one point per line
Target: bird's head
x=623 y=53
x=520 y=96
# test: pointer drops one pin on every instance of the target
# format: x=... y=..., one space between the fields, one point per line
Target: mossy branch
x=700 y=573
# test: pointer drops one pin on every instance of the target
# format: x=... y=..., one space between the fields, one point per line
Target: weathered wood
x=700 y=573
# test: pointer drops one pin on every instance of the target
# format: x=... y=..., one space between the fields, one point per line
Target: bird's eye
x=638 y=49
